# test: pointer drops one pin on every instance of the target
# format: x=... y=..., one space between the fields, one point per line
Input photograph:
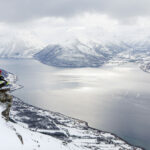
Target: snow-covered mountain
x=92 y=54
x=78 y=54
x=25 y=127
x=18 y=47
x=137 y=52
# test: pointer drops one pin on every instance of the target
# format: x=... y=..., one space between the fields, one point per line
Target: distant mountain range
x=78 y=54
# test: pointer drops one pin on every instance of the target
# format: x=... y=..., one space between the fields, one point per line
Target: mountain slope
x=16 y=137
x=73 y=133
x=18 y=47
x=78 y=54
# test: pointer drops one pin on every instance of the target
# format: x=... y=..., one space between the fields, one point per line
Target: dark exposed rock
x=7 y=100
x=20 y=138
x=59 y=135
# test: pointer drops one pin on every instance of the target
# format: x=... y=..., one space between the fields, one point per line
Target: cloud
x=86 y=28
x=23 y=10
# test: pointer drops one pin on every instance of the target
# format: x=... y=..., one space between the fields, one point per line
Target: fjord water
x=111 y=98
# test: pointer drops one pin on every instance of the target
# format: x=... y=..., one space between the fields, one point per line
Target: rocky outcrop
x=6 y=99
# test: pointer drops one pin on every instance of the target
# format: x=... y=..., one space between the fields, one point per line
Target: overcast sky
x=65 y=18
x=22 y=10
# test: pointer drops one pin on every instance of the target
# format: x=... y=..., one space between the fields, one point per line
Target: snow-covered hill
x=30 y=128
x=18 y=47
x=78 y=54
x=138 y=53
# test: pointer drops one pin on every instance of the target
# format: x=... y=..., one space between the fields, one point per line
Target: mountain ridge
x=76 y=53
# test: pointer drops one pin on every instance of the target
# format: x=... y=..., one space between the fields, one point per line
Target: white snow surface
x=31 y=140
x=95 y=54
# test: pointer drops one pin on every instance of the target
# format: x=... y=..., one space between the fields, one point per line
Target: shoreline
x=95 y=129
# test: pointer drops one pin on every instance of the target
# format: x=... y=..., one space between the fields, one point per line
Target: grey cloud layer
x=21 y=10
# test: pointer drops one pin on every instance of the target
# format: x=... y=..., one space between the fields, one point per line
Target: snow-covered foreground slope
x=31 y=128
x=72 y=133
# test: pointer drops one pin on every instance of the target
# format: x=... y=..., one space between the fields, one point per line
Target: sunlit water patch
x=110 y=98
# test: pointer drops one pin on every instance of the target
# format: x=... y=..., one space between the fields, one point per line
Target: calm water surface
x=114 y=99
